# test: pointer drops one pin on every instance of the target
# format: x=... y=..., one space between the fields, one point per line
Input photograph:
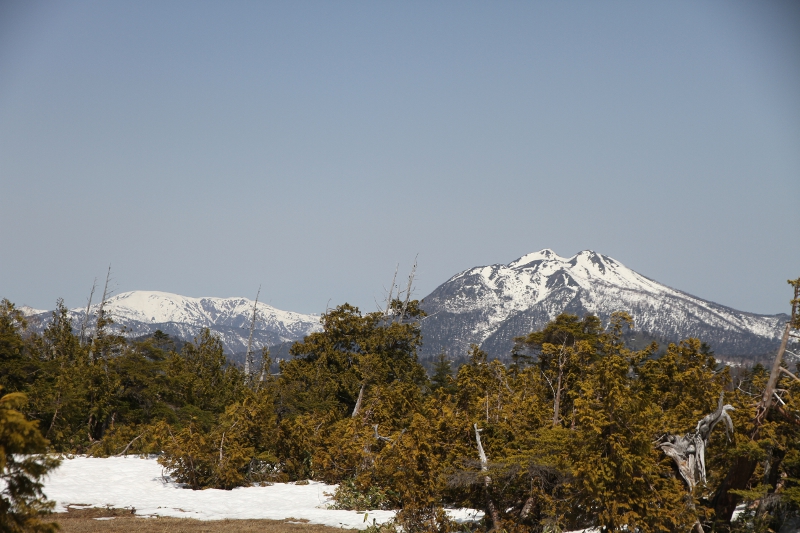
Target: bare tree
x=357 y=408
x=100 y=316
x=487 y=482
x=81 y=337
x=249 y=362
x=559 y=387
x=386 y=314
x=739 y=474
x=689 y=450
x=391 y=291
x=408 y=288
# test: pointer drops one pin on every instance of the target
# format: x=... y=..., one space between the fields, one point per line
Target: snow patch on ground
x=141 y=484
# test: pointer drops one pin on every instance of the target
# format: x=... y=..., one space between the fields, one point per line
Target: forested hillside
x=577 y=430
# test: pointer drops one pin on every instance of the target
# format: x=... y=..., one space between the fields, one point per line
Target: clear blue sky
x=204 y=148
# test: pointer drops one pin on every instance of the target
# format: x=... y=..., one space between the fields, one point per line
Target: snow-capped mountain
x=491 y=305
x=138 y=313
x=488 y=306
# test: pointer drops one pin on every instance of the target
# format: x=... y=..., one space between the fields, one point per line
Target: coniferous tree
x=23 y=464
x=17 y=367
x=442 y=374
x=201 y=381
x=620 y=483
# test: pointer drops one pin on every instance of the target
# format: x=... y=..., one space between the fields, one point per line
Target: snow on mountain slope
x=491 y=305
x=143 y=312
x=30 y=311
x=152 y=307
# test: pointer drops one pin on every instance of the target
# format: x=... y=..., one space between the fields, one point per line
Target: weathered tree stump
x=689 y=450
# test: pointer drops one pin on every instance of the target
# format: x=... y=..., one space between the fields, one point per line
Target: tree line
x=576 y=430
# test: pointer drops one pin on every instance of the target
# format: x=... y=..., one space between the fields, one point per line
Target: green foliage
x=330 y=367
x=424 y=520
x=234 y=453
x=348 y=497
x=16 y=367
x=442 y=377
x=230 y=449
x=619 y=478
x=791 y=488
x=568 y=428
x=372 y=357
x=526 y=454
x=22 y=467
x=201 y=377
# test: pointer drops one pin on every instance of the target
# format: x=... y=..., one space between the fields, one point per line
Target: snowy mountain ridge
x=490 y=305
x=153 y=307
x=485 y=305
x=138 y=313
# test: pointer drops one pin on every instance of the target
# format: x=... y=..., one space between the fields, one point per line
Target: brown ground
x=83 y=521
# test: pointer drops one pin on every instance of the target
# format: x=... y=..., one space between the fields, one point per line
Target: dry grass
x=85 y=521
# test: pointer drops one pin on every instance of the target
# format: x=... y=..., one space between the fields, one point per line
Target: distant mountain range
x=140 y=313
x=488 y=306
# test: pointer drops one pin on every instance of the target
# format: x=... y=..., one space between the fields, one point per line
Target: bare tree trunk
x=81 y=337
x=557 y=400
x=739 y=475
x=249 y=363
x=766 y=399
x=562 y=361
x=487 y=482
x=408 y=289
x=526 y=509
x=123 y=452
x=357 y=408
x=391 y=290
x=688 y=451
x=55 y=414
x=789 y=374
x=100 y=315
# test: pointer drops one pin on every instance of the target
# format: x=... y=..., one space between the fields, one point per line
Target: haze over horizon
x=205 y=149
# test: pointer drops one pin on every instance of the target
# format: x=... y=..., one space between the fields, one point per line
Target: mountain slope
x=143 y=312
x=491 y=305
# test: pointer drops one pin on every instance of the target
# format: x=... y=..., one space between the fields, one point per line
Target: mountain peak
x=588 y=253
x=542 y=255
x=591 y=261
x=491 y=305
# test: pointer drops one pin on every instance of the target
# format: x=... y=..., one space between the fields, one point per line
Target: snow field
x=141 y=484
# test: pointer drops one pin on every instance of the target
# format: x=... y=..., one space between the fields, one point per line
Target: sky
x=206 y=148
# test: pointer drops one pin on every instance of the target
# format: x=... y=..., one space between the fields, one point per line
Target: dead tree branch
x=391 y=290
x=123 y=452
x=249 y=362
x=100 y=316
x=739 y=474
x=378 y=436
x=487 y=482
x=789 y=374
x=688 y=451
x=357 y=408
x=766 y=398
x=82 y=336
x=408 y=289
